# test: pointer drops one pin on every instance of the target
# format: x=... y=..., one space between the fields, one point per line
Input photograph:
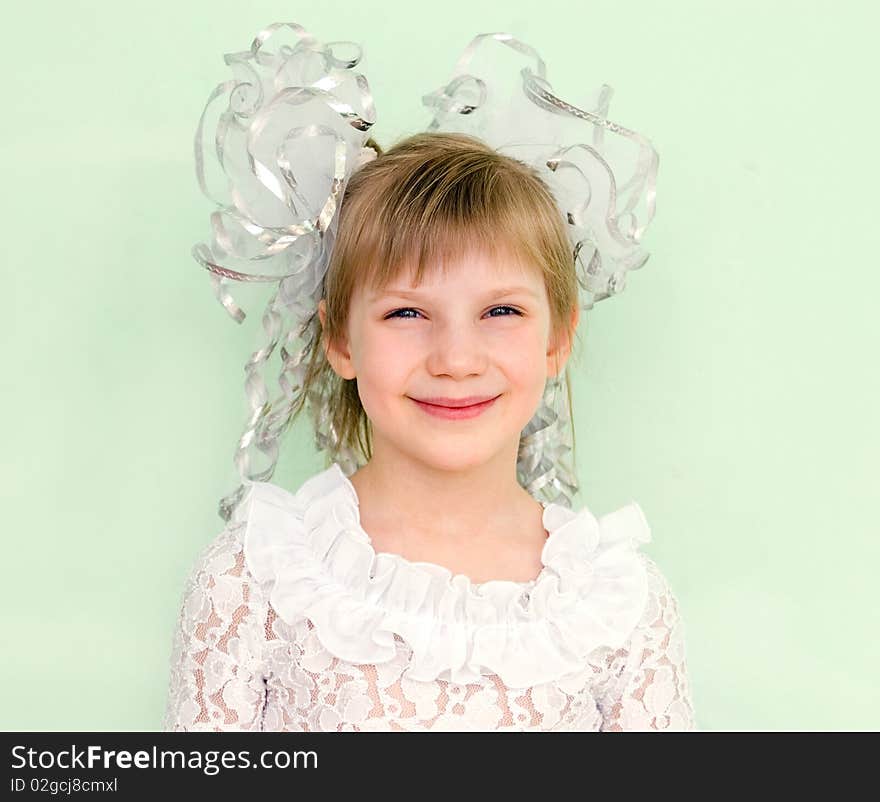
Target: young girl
x=435 y=586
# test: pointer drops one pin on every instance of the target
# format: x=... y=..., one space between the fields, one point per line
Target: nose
x=456 y=351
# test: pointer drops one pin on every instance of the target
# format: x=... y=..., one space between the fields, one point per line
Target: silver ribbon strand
x=294 y=131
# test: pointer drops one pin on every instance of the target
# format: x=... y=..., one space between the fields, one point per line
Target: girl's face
x=479 y=329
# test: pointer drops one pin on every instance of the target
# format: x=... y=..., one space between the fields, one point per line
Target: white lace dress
x=291 y=621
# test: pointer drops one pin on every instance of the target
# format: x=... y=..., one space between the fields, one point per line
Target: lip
x=469 y=401
x=470 y=410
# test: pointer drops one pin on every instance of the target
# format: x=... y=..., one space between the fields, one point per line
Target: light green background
x=732 y=389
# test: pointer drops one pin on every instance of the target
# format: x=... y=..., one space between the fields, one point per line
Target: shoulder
x=283 y=537
x=657 y=639
x=221 y=556
x=661 y=620
x=629 y=524
x=219 y=578
x=629 y=578
x=272 y=524
x=271 y=503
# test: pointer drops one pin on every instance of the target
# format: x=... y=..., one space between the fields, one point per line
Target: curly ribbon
x=307 y=100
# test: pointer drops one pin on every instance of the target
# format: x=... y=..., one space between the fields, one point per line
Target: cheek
x=524 y=365
x=382 y=358
x=383 y=365
x=522 y=358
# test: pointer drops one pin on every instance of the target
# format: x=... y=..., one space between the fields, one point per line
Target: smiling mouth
x=455 y=413
x=453 y=403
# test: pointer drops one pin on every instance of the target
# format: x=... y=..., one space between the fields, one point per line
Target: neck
x=459 y=502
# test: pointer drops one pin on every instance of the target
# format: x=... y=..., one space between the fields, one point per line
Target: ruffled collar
x=311 y=555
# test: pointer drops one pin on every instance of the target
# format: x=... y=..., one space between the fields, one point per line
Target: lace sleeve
x=649 y=687
x=217 y=681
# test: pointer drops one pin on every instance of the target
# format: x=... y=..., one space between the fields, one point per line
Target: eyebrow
x=497 y=292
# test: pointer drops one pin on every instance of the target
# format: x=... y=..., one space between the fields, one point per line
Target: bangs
x=444 y=213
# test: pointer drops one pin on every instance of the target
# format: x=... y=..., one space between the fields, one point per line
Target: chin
x=453 y=460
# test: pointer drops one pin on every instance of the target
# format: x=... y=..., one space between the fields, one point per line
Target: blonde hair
x=430 y=198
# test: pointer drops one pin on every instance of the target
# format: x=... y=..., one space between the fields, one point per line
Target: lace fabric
x=239 y=662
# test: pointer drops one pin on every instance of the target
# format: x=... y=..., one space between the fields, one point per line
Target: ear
x=338 y=356
x=559 y=351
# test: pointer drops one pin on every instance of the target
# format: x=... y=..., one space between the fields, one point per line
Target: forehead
x=474 y=271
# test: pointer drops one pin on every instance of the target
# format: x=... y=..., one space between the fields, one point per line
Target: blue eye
x=396 y=312
x=512 y=309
